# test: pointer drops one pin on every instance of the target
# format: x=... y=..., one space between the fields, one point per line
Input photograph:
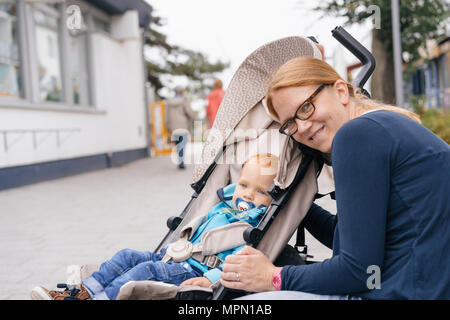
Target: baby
x=183 y=262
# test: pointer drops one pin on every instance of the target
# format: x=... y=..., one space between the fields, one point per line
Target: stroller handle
x=358 y=50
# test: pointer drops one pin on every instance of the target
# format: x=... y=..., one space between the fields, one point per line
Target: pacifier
x=244 y=205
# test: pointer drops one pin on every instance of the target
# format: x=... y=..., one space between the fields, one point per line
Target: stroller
x=243 y=127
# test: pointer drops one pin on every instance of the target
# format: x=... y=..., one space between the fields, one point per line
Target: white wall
x=117 y=123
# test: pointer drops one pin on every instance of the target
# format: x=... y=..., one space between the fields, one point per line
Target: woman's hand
x=248 y=270
x=198 y=281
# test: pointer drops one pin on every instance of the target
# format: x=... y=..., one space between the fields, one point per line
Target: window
x=48 y=53
x=79 y=65
x=10 y=82
x=101 y=25
x=79 y=69
x=42 y=57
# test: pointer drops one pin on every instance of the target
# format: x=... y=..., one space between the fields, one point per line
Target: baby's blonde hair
x=268 y=163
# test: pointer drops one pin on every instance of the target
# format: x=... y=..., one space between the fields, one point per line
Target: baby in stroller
x=196 y=258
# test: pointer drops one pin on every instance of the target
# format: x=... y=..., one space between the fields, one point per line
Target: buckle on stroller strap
x=179 y=251
x=212 y=261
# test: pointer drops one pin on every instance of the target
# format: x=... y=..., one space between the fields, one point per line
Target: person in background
x=179 y=119
x=214 y=100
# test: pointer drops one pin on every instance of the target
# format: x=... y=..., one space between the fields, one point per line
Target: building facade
x=72 y=87
x=431 y=78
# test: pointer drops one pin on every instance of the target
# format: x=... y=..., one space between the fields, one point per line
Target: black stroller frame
x=280 y=196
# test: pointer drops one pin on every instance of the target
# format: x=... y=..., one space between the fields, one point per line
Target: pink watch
x=276 y=279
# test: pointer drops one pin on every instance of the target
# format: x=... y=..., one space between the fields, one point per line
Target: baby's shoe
x=72 y=292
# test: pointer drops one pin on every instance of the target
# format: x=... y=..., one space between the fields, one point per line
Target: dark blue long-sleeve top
x=392 y=179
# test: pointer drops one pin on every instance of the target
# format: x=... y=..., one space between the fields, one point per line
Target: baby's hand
x=199 y=281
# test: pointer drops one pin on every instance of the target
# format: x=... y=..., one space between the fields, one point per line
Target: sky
x=231 y=30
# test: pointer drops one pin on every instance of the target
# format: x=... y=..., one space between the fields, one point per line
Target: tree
x=420 y=21
x=176 y=61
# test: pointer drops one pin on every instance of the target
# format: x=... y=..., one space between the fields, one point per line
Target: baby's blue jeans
x=127 y=265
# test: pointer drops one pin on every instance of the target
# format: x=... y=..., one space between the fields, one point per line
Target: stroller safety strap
x=189 y=229
x=224 y=238
x=182 y=250
x=178 y=251
x=212 y=261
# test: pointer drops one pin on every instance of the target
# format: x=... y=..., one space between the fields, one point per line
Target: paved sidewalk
x=87 y=218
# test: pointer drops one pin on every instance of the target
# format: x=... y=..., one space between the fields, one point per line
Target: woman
x=179 y=118
x=214 y=101
x=392 y=177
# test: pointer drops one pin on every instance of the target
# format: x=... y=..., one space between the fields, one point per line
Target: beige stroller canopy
x=246 y=91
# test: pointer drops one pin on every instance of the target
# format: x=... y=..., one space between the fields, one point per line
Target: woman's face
x=332 y=110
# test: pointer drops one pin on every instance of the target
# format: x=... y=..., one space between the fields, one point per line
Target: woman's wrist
x=276 y=279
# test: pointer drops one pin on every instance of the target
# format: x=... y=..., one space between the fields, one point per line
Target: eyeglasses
x=304 y=112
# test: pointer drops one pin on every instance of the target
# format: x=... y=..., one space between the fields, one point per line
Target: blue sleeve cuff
x=213 y=275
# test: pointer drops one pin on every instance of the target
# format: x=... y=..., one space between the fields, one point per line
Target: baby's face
x=252 y=186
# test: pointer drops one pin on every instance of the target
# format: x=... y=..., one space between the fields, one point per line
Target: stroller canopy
x=246 y=90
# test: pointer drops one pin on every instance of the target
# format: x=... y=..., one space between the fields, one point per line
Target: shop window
x=10 y=80
x=48 y=53
x=79 y=65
